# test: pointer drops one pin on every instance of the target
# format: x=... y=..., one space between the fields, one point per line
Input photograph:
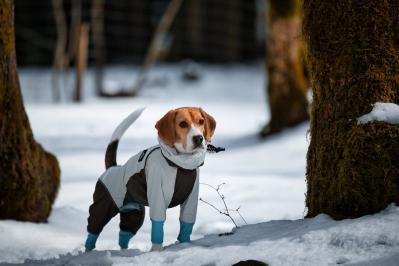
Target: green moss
x=29 y=176
x=31 y=187
x=353 y=53
x=358 y=170
x=6 y=30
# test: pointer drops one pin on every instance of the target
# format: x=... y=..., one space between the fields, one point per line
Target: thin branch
x=224 y=213
x=239 y=213
x=220 y=194
x=213 y=206
x=226 y=210
x=215 y=188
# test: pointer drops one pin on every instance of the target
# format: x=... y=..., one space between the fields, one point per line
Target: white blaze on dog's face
x=187 y=129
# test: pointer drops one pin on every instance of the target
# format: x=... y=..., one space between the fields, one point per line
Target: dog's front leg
x=156 y=235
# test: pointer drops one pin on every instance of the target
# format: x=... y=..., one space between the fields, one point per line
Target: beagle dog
x=161 y=177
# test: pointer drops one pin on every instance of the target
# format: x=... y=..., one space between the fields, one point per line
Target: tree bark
x=29 y=176
x=287 y=84
x=353 y=49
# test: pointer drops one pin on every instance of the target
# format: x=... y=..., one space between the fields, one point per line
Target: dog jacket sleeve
x=155 y=196
x=188 y=210
x=156 y=171
x=188 y=213
x=157 y=204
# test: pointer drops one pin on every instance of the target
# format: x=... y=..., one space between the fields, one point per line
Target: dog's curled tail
x=110 y=154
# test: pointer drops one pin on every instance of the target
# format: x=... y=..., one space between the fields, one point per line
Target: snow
x=386 y=112
x=265 y=178
x=369 y=240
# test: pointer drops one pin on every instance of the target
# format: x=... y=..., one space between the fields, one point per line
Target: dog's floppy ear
x=166 y=127
x=210 y=125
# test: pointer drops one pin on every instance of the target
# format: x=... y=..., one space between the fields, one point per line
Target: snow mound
x=386 y=112
x=369 y=240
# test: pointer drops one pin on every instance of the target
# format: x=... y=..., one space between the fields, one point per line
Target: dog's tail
x=110 y=154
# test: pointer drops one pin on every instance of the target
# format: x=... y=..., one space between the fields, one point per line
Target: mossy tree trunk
x=353 y=49
x=29 y=176
x=287 y=83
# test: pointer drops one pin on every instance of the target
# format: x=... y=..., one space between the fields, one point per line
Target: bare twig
x=221 y=212
x=239 y=213
x=226 y=211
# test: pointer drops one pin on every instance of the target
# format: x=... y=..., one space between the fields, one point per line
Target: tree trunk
x=353 y=48
x=287 y=84
x=29 y=176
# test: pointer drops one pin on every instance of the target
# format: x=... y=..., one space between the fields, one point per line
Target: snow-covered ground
x=370 y=240
x=265 y=178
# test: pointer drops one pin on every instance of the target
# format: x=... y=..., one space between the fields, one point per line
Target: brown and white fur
x=186 y=128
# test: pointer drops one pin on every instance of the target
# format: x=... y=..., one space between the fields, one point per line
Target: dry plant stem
x=226 y=210
x=221 y=212
x=220 y=195
x=238 y=211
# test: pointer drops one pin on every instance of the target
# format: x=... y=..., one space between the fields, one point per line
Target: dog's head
x=186 y=128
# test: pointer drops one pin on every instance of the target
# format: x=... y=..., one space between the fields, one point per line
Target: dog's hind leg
x=131 y=221
x=100 y=213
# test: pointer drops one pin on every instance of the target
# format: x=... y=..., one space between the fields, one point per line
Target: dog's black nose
x=197 y=140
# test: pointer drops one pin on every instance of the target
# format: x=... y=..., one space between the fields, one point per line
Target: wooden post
x=81 y=59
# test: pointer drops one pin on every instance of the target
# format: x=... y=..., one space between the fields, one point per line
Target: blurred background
x=222 y=31
x=71 y=35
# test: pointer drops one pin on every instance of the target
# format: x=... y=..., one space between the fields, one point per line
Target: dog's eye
x=201 y=121
x=183 y=124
